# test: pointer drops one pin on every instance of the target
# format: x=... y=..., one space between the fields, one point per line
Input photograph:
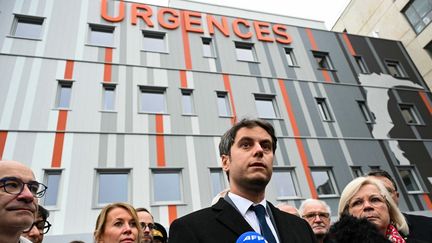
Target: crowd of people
x=368 y=207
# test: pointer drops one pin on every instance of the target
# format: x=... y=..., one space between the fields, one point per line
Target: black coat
x=222 y=223
x=420 y=227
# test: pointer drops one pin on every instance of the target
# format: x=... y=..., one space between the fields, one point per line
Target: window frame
x=101 y=28
x=414 y=175
x=428 y=48
x=222 y=180
x=413 y=112
x=60 y=84
x=246 y=46
x=154 y=90
x=289 y=52
x=421 y=19
x=361 y=64
x=28 y=19
x=357 y=171
x=105 y=87
x=367 y=114
x=188 y=92
x=397 y=66
x=294 y=180
x=100 y=171
x=227 y=101
x=178 y=171
x=48 y=172
x=155 y=35
x=267 y=97
x=325 y=56
x=330 y=175
x=208 y=41
x=324 y=109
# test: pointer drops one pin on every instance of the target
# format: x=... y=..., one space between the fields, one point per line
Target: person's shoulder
x=417 y=218
x=24 y=240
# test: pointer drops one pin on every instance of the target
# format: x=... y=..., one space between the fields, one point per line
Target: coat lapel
x=230 y=217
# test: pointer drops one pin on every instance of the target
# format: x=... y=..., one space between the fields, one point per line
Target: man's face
x=390 y=188
x=250 y=164
x=147 y=219
x=35 y=235
x=17 y=212
x=318 y=218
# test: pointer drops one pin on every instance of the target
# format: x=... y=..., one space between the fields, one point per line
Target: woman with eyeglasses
x=39 y=228
x=368 y=200
x=117 y=222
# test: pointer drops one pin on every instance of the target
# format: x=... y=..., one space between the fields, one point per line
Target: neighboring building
x=408 y=21
x=123 y=101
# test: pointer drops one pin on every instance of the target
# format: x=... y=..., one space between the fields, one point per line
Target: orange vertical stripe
x=186 y=44
x=172 y=213
x=311 y=39
x=228 y=88
x=299 y=142
x=61 y=121
x=3 y=137
x=426 y=101
x=348 y=43
x=183 y=79
x=59 y=139
x=428 y=201
x=69 y=69
x=160 y=143
x=107 y=66
x=326 y=75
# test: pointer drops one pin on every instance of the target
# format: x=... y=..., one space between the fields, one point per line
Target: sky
x=325 y=10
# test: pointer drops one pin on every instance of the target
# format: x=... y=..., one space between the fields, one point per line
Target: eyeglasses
x=42 y=225
x=313 y=215
x=144 y=225
x=15 y=186
x=374 y=200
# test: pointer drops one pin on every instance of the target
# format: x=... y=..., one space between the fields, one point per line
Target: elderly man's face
x=318 y=218
x=17 y=212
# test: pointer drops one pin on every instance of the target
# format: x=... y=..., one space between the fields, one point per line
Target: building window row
x=418 y=14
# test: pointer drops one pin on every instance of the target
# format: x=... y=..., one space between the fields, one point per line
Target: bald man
x=285 y=207
x=19 y=193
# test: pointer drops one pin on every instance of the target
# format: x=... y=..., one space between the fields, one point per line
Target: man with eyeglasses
x=317 y=214
x=39 y=228
x=147 y=224
x=19 y=193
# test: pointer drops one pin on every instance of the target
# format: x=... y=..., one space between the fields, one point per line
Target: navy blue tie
x=260 y=212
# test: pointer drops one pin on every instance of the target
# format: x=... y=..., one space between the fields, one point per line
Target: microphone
x=251 y=237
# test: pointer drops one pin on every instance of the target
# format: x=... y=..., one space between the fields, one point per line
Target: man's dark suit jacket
x=420 y=227
x=222 y=223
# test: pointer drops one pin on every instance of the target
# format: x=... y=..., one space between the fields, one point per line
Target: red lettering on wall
x=237 y=31
x=104 y=12
x=189 y=19
x=281 y=30
x=144 y=15
x=212 y=22
x=262 y=31
x=172 y=20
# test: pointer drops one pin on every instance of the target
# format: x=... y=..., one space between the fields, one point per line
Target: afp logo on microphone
x=251 y=237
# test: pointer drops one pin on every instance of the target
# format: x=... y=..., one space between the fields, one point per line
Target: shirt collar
x=244 y=204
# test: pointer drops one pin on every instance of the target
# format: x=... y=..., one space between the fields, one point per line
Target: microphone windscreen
x=251 y=237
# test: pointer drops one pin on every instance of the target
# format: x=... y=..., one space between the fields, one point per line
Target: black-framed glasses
x=42 y=225
x=15 y=186
x=150 y=225
x=313 y=215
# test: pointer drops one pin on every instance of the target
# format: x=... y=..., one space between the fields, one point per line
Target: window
x=101 y=35
x=289 y=55
x=410 y=114
x=323 y=60
x=374 y=167
x=283 y=180
x=52 y=181
x=323 y=181
x=167 y=186
x=357 y=171
x=27 y=27
x=187 y=102
x=368 y=116
x=265 y=106
x=418 y=13
x=409 y=179
x=112 y=186
x=154 y=41
x=208 y=48
x=64 y=92
x=428 y=48
x=395 y=69
x=223 y=104
x=108 y=97
x=361 y=64
x=323 y=109
x=245 y=51
x=217 y=181
x=152 y=99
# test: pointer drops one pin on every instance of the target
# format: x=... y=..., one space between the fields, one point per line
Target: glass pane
x=223 y=106
x=284 y=184
x=187 y=103
x=245 y=54
x=289 y=57
x=113 y=188
x=53 y=183
x=109 y=99
x=265 y=108
x=409 y=180
x=323 y=183
x=28 y=28
x=167 y=187
x=217 y=182
x=152 y=102
x=407 y=115
x=102 y=37
x=323 y=109
x=365 y=111
x=64 y=96
x=154 y=43
x=207 y=48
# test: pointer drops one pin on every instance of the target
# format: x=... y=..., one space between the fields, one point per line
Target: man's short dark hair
x=382 y=173
x=42 y=212
x=143 y=210
x=228 y=138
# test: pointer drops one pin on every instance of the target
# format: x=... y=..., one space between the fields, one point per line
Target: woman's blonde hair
x=354 y=186
x=101 y=219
